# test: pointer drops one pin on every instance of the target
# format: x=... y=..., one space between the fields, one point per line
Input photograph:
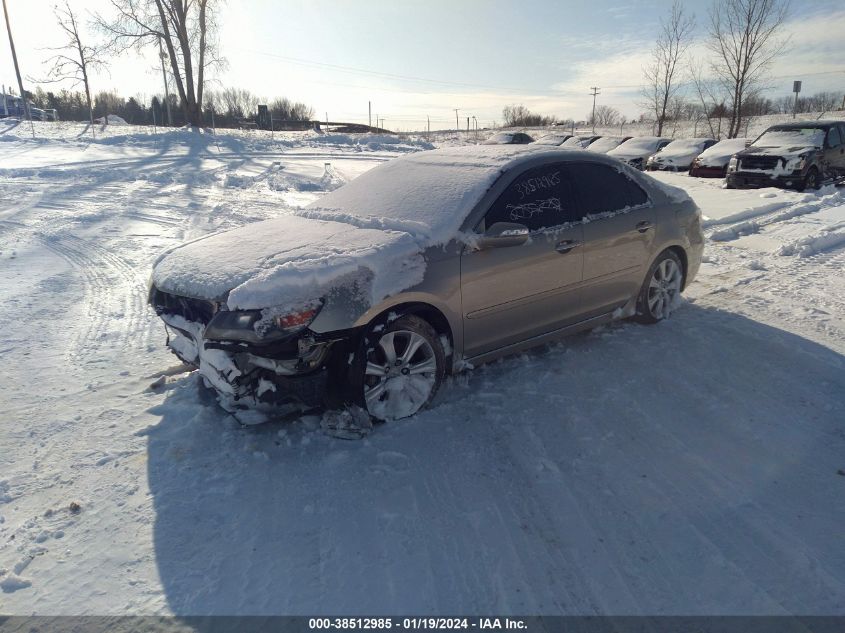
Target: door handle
x=644 y=226
x=566 y=246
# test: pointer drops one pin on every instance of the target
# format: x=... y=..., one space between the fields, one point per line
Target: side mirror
x=502 y=234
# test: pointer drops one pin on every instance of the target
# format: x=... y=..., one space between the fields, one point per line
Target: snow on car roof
x=427 y=194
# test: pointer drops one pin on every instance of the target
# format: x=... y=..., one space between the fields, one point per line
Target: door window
x=539 y=198
x=603 y=189
x=833 y=139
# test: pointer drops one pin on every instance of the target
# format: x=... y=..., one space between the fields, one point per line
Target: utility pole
x=427 y=126
x=457 y=125
x=163 y=56
x=5 y=107
x=25 y=101
x=370 y=115
x=595 y=91
x=467 y=126
x=327 y=122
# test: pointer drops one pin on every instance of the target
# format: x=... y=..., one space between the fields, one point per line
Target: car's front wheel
x=661 y=291
x=400 y=367
x=811 y=180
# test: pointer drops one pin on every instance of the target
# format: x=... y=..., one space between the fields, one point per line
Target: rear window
x=602 y=189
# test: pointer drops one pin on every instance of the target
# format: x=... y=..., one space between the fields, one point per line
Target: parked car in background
x=579 y=142
x=635 y=151
x=800 y=155
x=509 y=138
x=679 y=154
x=606 y=143
x=553 y=139
x=713 y=162
x=38 y=114
x=420 y=266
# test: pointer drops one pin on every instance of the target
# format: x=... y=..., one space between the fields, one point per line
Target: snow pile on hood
x=719 y=154
x=287 y=260
x=372 y=231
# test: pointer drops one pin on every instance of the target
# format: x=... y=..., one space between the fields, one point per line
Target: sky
x=414 y=59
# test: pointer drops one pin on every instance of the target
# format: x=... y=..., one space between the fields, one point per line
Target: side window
x=833 y=139
x=538 y=198
x=602 y=189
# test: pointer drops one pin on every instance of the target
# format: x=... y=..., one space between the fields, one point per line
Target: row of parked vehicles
x=800 y=155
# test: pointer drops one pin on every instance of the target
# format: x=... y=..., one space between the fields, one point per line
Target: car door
x=835 y=151
x=618 y=235
x=513 y=293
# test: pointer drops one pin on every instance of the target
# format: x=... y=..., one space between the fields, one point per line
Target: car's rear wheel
x=399 y=368
x=661 y=291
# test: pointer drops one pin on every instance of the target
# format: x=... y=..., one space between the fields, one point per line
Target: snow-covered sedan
x=713 y=162
x=678 y=155
x=554 y=138
x=420 y=267
x=606 y=143
x=635 y=151
x=509 y=138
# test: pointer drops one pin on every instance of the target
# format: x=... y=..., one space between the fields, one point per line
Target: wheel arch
x=433 y=315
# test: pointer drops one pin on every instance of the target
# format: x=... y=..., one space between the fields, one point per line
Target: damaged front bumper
x=290 y=372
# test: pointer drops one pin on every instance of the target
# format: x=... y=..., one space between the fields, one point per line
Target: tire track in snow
x=108 y=312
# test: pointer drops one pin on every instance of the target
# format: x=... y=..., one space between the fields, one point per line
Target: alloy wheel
x=664 y=289
x=400 y=375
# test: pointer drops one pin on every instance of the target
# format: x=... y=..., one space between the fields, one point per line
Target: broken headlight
x=262 y=326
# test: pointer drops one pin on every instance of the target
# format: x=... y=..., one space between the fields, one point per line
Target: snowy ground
x=695 y=467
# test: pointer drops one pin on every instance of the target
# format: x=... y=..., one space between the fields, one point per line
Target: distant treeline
x=231 y=106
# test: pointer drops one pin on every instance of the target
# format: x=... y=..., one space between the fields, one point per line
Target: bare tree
x=663 y=72
x=74 y=60
x=605 y=116
x=744 y=38
x=187 y=28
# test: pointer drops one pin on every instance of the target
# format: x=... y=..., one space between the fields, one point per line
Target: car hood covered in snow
x=638 y=147
x=719 y=154
x=680 y=152
x=373 y=229
x=276 y=262
x=783 y=152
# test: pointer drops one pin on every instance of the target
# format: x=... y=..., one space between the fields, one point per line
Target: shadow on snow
x=686 y=468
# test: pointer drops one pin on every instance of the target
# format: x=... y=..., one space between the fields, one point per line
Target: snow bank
x=824 y=240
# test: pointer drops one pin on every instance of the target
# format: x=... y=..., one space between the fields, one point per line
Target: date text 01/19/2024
x=431 y=624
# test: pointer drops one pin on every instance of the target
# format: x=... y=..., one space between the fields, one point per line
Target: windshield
x=575 y=141
x=726 y=147
x=787 y=137
x=604 y=144
x=683 y=145
x=643 y=144
x=551 y=139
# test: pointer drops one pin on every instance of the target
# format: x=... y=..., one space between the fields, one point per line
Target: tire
x=661 y=290
x=386 y=383
x=811 y=180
